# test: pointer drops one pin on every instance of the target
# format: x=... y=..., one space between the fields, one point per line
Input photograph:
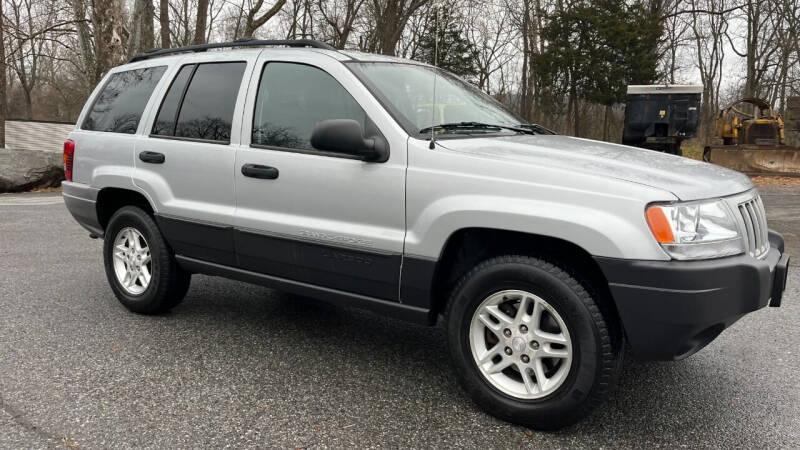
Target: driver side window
x=292 y=98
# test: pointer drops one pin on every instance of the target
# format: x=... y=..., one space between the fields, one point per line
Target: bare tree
x=107 y=23
x=340 y=17
x=56 y=51
x=786 y=21
x=3 y=99
x=390 y=18
x=759 y=49
x=163 y=18
x=200 y=24
x=141 y=36
x=674 y=40
x=255 y=21
x=300 y=19
x=417 y=24
x=489 y=28
x=709 y=31
x=28 y=25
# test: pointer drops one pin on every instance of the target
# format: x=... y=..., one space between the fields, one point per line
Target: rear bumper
x=672 y=309
x=81 y=202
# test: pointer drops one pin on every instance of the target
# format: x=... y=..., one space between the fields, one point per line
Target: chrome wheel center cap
x=518 y=345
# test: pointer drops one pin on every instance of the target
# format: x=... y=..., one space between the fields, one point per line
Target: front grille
x=755 y=227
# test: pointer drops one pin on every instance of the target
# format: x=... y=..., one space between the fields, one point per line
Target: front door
x=326 y=219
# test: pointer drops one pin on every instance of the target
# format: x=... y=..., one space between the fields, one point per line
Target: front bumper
x=81 y=202
x=672 y=309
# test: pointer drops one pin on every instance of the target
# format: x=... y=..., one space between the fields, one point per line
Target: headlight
x=695 y=230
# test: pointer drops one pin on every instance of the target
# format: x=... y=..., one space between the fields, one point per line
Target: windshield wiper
x=476 y=126
x=538 y=129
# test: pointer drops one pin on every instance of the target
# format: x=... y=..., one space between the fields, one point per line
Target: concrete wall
x=38 y=136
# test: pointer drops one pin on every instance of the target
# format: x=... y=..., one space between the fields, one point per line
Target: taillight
x=69 y=156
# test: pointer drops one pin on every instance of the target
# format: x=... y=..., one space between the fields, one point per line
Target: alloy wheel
x=521 y=344
x=133 y=266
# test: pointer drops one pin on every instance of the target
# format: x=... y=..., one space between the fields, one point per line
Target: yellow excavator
x=750 y=138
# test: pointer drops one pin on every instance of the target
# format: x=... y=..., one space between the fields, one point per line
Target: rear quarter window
x=165 y=122
x=119 y=105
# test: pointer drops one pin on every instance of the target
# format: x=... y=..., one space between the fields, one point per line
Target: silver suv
x=318 y=172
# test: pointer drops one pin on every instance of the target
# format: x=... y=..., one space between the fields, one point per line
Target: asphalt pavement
x=241 y=365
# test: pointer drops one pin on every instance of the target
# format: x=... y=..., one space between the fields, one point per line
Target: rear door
x=328 y=219
x=186 y=163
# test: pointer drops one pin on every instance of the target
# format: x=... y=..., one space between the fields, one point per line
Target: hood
x=687 y=179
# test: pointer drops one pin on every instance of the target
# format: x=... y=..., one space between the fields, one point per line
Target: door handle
x=152 y=157
x=259 y=171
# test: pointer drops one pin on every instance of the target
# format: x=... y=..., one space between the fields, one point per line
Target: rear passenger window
x=292 y=98
x=119 y=106
x=204 y=109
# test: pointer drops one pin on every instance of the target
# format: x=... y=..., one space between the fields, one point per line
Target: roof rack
x=245 y=42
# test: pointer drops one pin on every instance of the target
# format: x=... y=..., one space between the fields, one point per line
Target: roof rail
x=246 y=42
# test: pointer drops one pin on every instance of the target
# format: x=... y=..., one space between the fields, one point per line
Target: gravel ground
x=240 y=365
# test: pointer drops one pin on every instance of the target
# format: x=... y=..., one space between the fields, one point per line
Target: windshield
x=409 y=89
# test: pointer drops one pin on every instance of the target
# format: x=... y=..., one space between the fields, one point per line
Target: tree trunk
x=148 y=29
x=85 y=43
x=533 y=80
x=605 y=122
x=106 y=17
x=141 y=37
x=706 y=115
x=27 y=105
x=163 y=8
x=526 y=54
x=391 y=22
x=3 y=100
x=573 y=100
x=200 y=25
x=752 y=47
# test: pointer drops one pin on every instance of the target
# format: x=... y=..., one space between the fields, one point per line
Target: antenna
x=435 y=70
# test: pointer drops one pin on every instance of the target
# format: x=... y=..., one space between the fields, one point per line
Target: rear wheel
x=530 y=344
x=140 y=266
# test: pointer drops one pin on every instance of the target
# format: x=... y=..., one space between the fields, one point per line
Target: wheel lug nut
x=534 y=345
x=525 y=359
x=508 y=350
x=507 y=332
x=523 y=329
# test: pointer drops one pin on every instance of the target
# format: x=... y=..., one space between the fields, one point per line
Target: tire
x=168 y=283
x=595 y=341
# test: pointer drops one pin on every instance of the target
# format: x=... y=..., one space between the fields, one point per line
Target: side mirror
x=346 y=136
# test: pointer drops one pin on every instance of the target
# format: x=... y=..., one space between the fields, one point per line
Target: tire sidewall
x=134 y=217
x=580 y=382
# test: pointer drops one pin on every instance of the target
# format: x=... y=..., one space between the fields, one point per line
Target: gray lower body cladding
x=81 y=202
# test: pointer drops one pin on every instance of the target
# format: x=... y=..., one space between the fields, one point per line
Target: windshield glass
x=409 y=89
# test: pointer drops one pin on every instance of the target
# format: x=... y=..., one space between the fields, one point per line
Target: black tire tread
x=172 y=283
x=611 y=354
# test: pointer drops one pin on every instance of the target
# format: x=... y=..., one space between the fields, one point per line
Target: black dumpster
x=660 y=117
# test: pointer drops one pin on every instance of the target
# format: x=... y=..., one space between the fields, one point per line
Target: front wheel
x=530 y=344
x=140 y=267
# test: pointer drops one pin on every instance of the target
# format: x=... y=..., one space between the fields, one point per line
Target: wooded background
x=564 y=64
